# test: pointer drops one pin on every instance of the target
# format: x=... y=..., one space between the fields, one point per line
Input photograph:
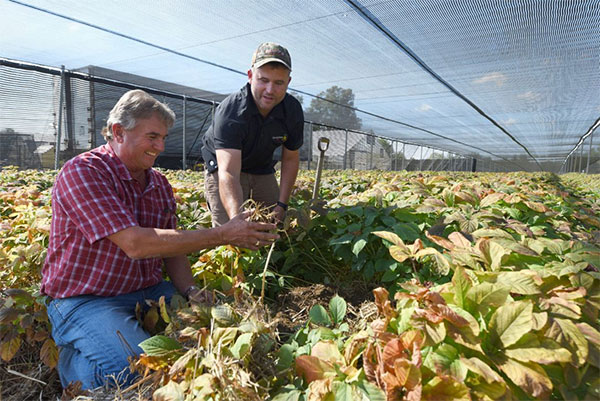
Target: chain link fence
x=49 y=115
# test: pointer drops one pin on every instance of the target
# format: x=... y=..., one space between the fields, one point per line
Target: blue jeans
x=85 y=328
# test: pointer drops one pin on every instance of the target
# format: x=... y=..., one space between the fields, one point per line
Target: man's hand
x=278 y=214
x=247 y=234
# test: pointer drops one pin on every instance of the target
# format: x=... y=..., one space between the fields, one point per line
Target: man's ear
x=117 y=132
x=250 y=75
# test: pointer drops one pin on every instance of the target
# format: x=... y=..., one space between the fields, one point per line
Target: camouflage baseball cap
x=271 y=52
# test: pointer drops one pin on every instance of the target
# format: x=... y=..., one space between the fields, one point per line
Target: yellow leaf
x=151 y=319
x=389 y=236
x=49 y=353
x=529 y=376
x=399 y=252
x=9 y=348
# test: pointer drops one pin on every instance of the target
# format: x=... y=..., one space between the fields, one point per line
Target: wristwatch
x=189 y=290
x=282 y=205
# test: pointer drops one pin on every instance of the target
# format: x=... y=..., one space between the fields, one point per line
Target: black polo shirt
x=238 y=124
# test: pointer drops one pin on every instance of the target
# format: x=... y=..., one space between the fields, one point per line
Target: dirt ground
x=25 y=378
x=292 y=308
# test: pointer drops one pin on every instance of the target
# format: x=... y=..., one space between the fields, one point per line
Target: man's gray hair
x=134 y=105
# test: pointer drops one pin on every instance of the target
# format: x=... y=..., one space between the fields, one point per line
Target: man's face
x=268 y=85
x=139 y=147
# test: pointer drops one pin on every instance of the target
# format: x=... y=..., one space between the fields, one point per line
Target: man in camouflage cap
x=248 y=126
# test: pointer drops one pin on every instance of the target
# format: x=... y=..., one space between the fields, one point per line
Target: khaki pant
x=261 y=188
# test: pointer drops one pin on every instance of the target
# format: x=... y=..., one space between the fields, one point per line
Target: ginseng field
x=389 y=286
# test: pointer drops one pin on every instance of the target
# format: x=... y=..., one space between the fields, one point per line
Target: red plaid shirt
x=93 y=197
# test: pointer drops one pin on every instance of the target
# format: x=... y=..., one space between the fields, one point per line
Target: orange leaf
x=392 y=351
x=312 y=368
x=384 y=306
x=459 y=240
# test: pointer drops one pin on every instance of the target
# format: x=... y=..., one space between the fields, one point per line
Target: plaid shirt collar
x=122 y=171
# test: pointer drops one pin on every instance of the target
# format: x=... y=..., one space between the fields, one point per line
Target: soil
x=292 y=307
x=26 y=378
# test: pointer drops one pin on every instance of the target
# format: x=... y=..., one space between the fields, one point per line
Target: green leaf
x=342 y=391
x=485 y=295
x=288 y=393
x=510 y=322
x=159 y=345
x=318 y=315
x=408 y=231
x=337 y=307
x=358 y=246
x=285 y=356
x=242 y=345
x=445 y=361
x=344 y=239
x=389 y=275
x=372 y=392
x=324 y=333
x=448 y=196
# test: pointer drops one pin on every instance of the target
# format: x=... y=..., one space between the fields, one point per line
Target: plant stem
x=264 y=275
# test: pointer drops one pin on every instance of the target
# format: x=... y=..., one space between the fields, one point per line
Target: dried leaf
x=49 y=353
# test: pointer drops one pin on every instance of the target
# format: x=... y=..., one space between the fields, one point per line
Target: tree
x=297 y=96
x=387 y=146
x=332 y=111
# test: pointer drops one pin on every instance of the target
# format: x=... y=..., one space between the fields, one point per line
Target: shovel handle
x=323 y=144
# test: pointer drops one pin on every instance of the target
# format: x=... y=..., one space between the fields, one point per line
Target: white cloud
x=424 y=107
x=509 y=121
x=495 y=77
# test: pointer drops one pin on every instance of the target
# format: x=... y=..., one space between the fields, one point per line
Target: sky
x=529 y=65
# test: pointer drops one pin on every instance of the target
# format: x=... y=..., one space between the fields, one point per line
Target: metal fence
x=49 y=115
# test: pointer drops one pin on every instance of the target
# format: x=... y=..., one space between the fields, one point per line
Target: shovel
x=323 y=145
